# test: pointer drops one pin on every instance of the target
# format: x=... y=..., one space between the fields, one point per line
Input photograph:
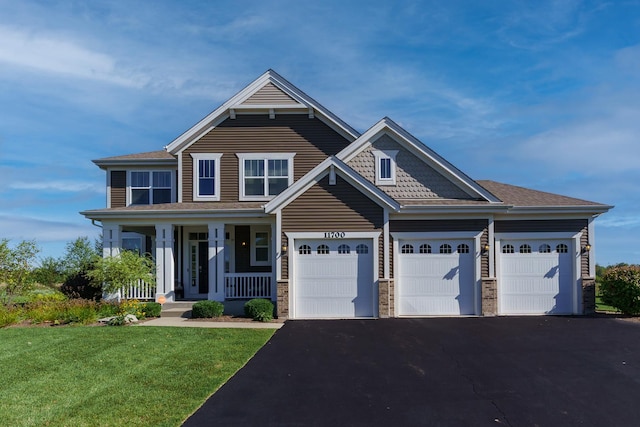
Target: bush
x=206 y=309
x=151 y=309
x=259 y=309
x=9 y=315
x=620 y=288
x=78 y=285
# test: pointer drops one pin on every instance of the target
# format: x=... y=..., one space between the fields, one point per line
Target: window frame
x=150 y=187
x=216 y=157
x=254 y=230
x=390 y=155
x=265 y=157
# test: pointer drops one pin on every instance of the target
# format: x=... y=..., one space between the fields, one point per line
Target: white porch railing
x=141 y=291
x=247 y=285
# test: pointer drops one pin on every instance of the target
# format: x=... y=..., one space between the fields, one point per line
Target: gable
x=269 y=94
x=414 y=178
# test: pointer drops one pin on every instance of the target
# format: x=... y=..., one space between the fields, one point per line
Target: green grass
x=114 y=376
x=602 y=307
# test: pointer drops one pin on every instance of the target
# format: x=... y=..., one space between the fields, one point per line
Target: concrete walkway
x=187 y=323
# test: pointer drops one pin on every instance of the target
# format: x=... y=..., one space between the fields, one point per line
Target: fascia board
x=439 y=209
x=138 y=162
x=200 y=213
x=593 y=210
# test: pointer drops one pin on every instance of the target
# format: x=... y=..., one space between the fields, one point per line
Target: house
x=273 y=196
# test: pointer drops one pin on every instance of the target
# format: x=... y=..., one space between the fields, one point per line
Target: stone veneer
x=282 y=300
x=588 y=295
x=489 y=297
x=385 y=298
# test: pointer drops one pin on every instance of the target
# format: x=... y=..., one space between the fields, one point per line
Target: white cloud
x=43 y=230
x=61 y=186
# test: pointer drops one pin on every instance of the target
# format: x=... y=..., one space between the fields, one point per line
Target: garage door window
x=508 y=249
x=445 y=249
x=407 y=249
x=545 y=249
x=362 y=249
x=525 y=249
x=425 y=249
x=344 y=249
x=323 y=250
x=304 y=250
x=562 y=248
x=463 y=249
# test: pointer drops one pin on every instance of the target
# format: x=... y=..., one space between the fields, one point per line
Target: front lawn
x=114 y=376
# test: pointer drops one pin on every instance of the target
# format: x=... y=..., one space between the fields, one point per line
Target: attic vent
x=332 y=176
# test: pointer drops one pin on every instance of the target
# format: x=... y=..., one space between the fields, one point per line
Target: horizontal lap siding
x=118 y=189
x=310 y=139
x=325 y=207
x=269 y=94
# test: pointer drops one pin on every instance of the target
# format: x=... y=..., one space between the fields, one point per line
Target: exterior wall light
x=586 y=248
x=283 y=250
x=485 y=249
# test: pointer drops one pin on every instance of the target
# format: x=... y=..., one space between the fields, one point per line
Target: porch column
x=216 y=261
x=165 y=265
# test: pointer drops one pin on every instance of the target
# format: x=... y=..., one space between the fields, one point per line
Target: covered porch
x=219 y=261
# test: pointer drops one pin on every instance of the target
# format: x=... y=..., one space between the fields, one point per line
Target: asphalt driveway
x=530 y=371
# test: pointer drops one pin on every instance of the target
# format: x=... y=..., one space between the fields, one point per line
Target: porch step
x=177 y=309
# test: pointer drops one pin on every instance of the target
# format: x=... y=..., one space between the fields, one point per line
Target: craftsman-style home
x=273 y=196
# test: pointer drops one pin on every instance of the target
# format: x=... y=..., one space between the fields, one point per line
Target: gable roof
x=268 y=92
x=322 y=170
x=430 y=157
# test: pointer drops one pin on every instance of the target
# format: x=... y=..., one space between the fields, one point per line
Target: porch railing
x=141 y=291
x=247 y=285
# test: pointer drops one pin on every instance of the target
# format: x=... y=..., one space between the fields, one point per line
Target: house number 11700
x=334 y=235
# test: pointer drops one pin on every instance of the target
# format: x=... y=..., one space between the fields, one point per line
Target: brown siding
x=310 y=139
x=537 y=226
x=408 y=226
x=584 y=259
x=118 y=189
x=269 y=94
x=327 y=207
x=484 y=261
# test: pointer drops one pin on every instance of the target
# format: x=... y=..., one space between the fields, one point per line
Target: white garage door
x=436 y=277
x=535 y=277
x=333 y=278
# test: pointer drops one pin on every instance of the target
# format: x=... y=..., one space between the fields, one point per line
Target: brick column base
x=588 y=295
x=282 y=299
x=489 y=297
x=385 y=299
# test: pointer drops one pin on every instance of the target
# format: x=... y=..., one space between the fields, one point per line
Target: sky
x=543 y=94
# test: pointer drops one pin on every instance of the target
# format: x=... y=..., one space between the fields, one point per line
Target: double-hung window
x=206 y=176
x=385 y=166
x=261 y=250
x=263 y=176
x=150 y=187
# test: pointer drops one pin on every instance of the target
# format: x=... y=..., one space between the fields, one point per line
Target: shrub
x=259 y=309
x=207 y=309
x=9 y=315
x=620 y=288
x=151 y=309
x=78 y=285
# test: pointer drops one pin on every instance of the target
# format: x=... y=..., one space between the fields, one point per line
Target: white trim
x=492 y=248
x=591 y=230
x=180 y=175
x=278 y=248
x=196 y=176
x=265 y=157
x=574 y=249
x=444 y=235
x=385 y=239
x=109 y=172
x=321 y=235
x=385 y=154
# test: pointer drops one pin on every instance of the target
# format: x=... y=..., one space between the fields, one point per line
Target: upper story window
x=150 y=187
x=206 y=176
x=385 y=166
x=263 y=176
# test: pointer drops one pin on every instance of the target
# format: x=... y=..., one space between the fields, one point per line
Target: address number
x=334 y=235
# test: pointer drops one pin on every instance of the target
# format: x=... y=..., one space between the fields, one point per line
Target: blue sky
x=542 y=94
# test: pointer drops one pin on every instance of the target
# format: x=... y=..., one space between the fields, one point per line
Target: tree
x=50 y=273
x=79 y=257
x=123 y=270
x=16 y=266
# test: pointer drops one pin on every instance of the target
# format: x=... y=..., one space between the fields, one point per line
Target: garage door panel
x=536 y=282
x=435 y=283
x=331 y=283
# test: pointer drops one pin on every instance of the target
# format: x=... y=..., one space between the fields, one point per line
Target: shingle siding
x=310 y=139
x=414 y=178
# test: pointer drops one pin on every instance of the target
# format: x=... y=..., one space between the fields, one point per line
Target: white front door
x=198 y=286
x=333 y=278
x=536 y=277
x=436 y=277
